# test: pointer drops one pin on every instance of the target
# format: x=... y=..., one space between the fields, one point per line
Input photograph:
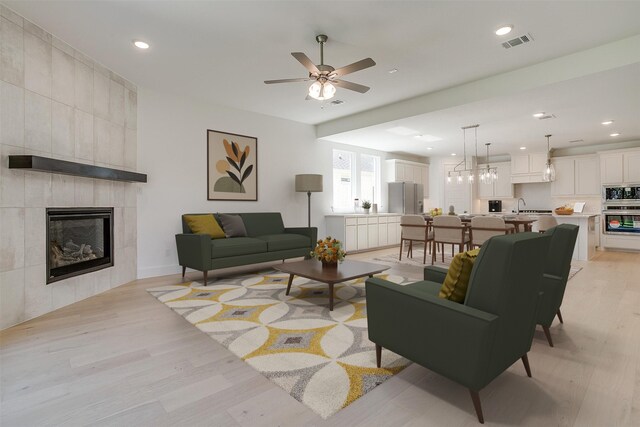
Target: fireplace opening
x=80 y=240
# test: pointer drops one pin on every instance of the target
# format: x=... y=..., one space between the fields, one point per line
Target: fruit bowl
x=563 y=211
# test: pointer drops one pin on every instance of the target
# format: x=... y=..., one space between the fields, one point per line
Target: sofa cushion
x=223 y=248
x=262 y=223
x=233 y=225
x=281 y=242
x=456 y=283
x=204 y=224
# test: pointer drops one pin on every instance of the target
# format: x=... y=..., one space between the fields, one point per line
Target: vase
x=366 y=211
x=329 y=264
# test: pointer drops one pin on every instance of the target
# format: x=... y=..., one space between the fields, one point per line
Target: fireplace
x=80 y=240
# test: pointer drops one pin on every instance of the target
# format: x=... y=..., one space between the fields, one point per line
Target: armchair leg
x=547 y=333
x=560 y=316
x=475 y=397
x=204 y=273
x=378 y=355
x=184 y=270
x=525 y=361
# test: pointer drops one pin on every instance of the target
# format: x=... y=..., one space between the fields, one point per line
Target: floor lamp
x=309 y=183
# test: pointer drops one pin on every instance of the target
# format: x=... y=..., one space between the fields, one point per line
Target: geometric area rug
x=322 y=358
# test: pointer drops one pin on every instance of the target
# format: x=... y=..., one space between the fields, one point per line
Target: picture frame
x=232 y=166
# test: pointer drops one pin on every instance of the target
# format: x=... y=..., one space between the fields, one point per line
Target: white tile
x=116 y=103
x=12 y=241
x=37 y=122
x=63 y=71
x=118 y=270
x=37 y=31
x=63 y=190
x=102 y=194
x=37 y=189
x=130 y=109
x=101 y=140
x=118 y=228
x=11 y=53
x=130 y=265
x=83 y=87
x=11 y=298
x=103 y=280
x=84 y=191
x=11 y=114
x=130 y=195
x=37 y=65
x=63 y=130
x=35 y=236
x=117 y=196
x=63 y=292
x=83 y=135
x=100 y=95
x=37 y=294
x=130 y=227
x=85 y=286
x=9 y=14
x=116 y=151
x=130 y=149
x=11 y=180
x=59 y=44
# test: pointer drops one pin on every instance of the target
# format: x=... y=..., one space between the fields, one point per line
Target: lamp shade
x=309 y=182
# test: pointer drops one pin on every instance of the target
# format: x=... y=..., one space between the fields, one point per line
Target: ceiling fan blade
x=270 y=82
x=351 y=86
x=352 y=68
x=304 y=60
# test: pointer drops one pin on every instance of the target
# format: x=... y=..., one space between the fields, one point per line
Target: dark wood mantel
x=46 y=164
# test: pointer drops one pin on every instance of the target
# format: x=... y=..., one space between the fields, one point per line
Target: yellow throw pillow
x=204 y=224
x=455 y=284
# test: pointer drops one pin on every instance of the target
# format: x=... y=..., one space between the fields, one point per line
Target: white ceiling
x=221 y=51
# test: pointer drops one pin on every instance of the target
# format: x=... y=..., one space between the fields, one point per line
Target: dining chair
x=448 y=229
x=484 y=227
x=414 y=228
x=546 y=222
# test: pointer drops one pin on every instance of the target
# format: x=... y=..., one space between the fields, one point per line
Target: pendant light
x=549 y=172
x=488 y=174
x=463 y=164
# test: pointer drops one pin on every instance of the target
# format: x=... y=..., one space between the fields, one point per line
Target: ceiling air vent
x=517 y=41
x=576 y=141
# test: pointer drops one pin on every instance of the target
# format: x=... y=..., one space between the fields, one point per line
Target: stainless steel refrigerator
x=405 y=197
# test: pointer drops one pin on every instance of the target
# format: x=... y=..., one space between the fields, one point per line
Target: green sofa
x=474 y=342
x=267 y=240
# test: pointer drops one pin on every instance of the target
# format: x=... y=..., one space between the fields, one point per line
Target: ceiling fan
x=326 y=77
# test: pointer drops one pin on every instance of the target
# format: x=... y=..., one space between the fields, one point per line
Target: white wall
x=172 y=151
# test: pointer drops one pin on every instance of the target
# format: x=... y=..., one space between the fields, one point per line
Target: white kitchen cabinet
x=501 y=187
x=406 y=171
x=620 y=167
x=576 y=176
x=632 y=167
x=362 y=232
x=587 y=176
x=527 y=167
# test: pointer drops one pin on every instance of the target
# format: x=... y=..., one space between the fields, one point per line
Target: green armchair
x=470 y=343
x=556 y=274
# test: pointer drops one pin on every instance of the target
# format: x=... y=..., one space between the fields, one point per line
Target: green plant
x=366 y=204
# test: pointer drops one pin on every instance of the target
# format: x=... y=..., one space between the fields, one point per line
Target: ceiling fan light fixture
x=322 y=91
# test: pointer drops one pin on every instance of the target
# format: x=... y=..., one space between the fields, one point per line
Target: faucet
x=523 y=202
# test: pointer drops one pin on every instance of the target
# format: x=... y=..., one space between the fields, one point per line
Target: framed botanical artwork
x=232 y=166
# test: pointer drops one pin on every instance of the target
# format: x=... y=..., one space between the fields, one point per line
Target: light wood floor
x=123 y=358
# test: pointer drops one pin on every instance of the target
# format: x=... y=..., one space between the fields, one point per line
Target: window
x=370 y=178
x=343 y=180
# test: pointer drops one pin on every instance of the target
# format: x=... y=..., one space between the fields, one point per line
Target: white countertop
x=362 y=214
x=536 y=215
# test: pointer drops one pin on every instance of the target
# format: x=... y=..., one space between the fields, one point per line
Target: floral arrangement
x=329 y=251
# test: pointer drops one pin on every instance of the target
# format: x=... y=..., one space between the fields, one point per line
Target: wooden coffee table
x=312 y=269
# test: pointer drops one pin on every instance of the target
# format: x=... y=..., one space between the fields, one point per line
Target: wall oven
x=621 y=219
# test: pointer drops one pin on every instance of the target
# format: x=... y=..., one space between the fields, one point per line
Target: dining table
x=525 y=221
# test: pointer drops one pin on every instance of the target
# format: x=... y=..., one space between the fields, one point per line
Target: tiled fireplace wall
x=56 y=102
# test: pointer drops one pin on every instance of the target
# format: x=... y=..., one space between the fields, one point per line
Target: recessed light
x=453 y=154
x=428 y=138
x=540 y=114
x=504 y=30
x=607 y=122
x=614 y=134
x=393 y=70
x=429 y=148
x=523 y=148
x=140 y=44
